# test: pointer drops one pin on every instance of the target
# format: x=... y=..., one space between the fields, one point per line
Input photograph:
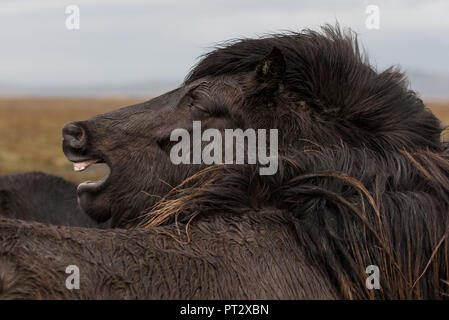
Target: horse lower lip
x=88 y=186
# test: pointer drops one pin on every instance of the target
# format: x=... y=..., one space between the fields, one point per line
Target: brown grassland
x=30 y=131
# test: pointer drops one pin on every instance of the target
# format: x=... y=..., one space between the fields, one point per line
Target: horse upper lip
x=79 y=161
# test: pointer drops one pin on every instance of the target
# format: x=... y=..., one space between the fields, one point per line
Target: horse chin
x=94 y=204
x=92 y=195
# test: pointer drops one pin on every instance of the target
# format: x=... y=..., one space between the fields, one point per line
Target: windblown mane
x=377 y=196
x=328 y=74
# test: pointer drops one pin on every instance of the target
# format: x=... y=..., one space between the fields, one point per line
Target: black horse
x=363 y=180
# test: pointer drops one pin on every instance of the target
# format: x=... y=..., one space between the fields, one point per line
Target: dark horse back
x=36 y=196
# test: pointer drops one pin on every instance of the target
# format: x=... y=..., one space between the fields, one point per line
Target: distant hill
x=429 y=86
x=146 y=89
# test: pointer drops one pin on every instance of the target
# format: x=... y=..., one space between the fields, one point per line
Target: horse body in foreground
x=221 y=262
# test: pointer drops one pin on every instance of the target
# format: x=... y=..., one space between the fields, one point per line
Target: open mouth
x=77 y=147
x=91 y=186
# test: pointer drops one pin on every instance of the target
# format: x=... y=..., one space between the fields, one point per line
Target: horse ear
x=271 y=69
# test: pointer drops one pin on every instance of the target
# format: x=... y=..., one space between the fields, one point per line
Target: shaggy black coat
x=363 y=180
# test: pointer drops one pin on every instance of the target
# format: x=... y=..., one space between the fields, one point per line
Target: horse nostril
x=74 y=135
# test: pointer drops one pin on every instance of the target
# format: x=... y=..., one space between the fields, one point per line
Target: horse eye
x=195 y=106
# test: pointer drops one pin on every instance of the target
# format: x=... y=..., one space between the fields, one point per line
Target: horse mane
x=383 y=202
x=327 y=73
x=349 y=208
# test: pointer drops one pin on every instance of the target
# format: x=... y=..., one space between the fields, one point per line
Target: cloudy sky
x=131 y=41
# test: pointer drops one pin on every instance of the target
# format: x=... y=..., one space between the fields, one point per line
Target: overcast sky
x=126 y=41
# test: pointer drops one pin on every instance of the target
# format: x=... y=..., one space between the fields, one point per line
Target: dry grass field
x=30 y=131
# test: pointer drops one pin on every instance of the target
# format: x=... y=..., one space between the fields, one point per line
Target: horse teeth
x=79 y=167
